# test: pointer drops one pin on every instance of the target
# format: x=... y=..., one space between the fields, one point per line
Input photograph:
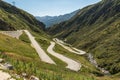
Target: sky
x=51 y=7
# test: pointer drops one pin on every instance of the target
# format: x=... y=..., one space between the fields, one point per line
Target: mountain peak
x=51 y=20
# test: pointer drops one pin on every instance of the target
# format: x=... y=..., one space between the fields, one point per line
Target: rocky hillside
x=51 y=20
x=12 y=18
x=95 y=29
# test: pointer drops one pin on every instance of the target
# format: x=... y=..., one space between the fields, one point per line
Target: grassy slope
x=24 y=59
x=16 y=46
x=97 y=29
x=27 y=60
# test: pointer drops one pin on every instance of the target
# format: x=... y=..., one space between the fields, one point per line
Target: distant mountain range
x=51 y=20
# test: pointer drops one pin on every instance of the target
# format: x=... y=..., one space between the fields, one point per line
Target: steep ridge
x=95 y=29
x=12 y=18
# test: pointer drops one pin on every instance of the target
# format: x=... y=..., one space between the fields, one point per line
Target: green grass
x=9 y=44
x=31 y=67
x=24 y=38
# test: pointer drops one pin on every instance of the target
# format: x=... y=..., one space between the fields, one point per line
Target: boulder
x=34 y=78
x=8 y=66
x=1 y=60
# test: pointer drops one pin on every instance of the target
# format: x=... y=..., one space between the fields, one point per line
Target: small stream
x=93 y=61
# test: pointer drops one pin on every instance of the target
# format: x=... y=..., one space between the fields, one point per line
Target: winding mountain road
x=71 y=49
x=43 y=56
x=72 y=65
x=14 y=34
